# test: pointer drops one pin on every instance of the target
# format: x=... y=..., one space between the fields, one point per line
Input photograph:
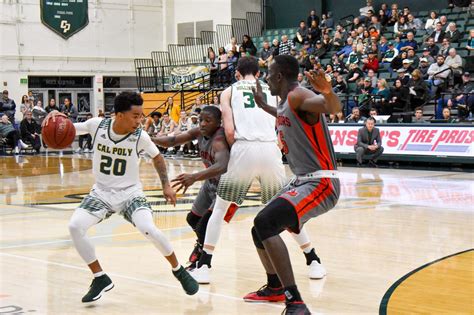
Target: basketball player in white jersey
x=117 y=145
x=254 y=154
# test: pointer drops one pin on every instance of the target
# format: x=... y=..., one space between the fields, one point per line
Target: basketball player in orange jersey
x=254 y=154
x=315 y=189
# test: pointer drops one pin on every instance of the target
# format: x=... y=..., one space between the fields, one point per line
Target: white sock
x=143 y=220
x=176 y=268
x=98 y=274
x=303 y=240
x=80 y=222
x=214 y=226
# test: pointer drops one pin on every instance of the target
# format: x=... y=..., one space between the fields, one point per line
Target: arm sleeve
x=88 y=127
x=145 y=144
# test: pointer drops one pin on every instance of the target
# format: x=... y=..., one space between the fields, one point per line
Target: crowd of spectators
x=386 y=59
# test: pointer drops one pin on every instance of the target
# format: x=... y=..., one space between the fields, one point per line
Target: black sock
x=292 y=294
x=273 y=281
x=205 y=259
x=311 y=256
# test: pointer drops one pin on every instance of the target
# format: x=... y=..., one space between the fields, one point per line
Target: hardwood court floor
x=388 y=223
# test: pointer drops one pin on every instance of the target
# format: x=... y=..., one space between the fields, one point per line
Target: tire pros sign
x=65 y=17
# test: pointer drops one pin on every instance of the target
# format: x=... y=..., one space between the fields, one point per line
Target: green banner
x=64 y=17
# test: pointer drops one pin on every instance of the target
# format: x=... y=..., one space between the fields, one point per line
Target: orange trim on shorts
x=321 y=192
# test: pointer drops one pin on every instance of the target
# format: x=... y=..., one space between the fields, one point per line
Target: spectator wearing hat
x=426 y=54
x=390 y=54
x=7 y=106
x=423 y=67
x=407 y=65
x=462 y=98
x=409 y=42
x=320 y=50
x=371 y=62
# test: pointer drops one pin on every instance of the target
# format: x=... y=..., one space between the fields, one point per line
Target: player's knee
x=193 y=220
x=256 y=239
x=75 y=228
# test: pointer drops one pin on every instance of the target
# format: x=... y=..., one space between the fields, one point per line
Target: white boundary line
x=47 y=262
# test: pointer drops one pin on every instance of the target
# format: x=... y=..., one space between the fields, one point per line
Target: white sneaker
x=316 y=270
x=79 y=151
x=86 y=151
x=23 y=145
x=201 y=274
x=17 y=151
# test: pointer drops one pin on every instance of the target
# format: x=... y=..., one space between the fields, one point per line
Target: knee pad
x=276 y=217
x=256 y=239
x=202 y=226
x=192 y=220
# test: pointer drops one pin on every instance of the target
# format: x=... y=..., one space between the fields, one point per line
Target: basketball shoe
x=201 y=273
x=266 y=294
x=316 y=269
x=296 y=308
x=98 y=286
x=189 y=285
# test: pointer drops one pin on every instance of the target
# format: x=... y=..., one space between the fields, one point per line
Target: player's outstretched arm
x=182 y=138
x=221 y=149
x=160 y=166
x=260 y=100
x=87 y=127
x=227 y=116
x=306 y=101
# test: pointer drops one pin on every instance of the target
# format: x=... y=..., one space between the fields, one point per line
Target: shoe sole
x=263 y=301
x=106 y=289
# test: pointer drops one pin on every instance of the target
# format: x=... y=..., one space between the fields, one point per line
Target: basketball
x=59 y=134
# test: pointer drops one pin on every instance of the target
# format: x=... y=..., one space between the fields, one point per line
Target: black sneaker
x=296 y=308
x=373 y=164
x=188 y=283
x=196 y=253
x=98 y=286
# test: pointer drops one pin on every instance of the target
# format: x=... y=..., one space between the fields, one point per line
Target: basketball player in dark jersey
x=314 y=190
x=214 y=152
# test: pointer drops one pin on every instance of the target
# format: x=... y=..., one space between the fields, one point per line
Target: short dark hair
x=213 y=111
x=371 y=118
x=247 y=65
x=418 y=108
x=156 y=114
x=125 y=100
x=288 y=66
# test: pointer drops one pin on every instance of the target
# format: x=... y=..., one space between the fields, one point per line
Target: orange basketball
x=59 y=134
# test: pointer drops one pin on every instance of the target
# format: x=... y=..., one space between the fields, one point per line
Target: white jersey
x=116 y=159
x=251 y=122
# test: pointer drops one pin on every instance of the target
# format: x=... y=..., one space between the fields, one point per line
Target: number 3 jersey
x=116 y=158
x=251 y=122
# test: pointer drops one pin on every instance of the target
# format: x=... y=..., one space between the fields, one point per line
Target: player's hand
x=169 y=195
x=183 y=181
x=52 y=115
x=258 y=94
x=319 y=81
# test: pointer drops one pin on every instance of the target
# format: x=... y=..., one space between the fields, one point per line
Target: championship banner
x=449 y=141
x=64 y=17
x=185 y=74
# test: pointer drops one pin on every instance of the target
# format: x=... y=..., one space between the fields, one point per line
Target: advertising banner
x=185 y=74
x=449 y=140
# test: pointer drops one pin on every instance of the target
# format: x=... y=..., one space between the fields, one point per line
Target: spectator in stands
x=382 y=96
x=354 y=56
x=462 y=98
x=409 y=43
x=285 y=46
x=224 y=73
x=311 y=63
x=401 y=28
x=445 y=47
x=423 y=67
x=418 y=90
x=430 y=24
x=265 y=55
x=168 y=125
x=385 y=9
x=302 y=80
x=383 y=18
x=213 y=63
x=447 y=116
x=340 y=85
x=397 y=62
x=371 y=62
x=346 y=50
x=85 y=141
x=355 y=117
x=52 y=106
x=390 y=54
x=301 y=33
x=419 y=116
x=373 y=78
x=393 y=18
x=308 y=48
x=314 y=33
x=69 y=110
x=431 y=46
x=406 y=12
x=364 y=12
x=414 y=24
x=438 y=34
x=373 y=112
x=327 y=42
x=452 y=33
x=364 y=92
x=232 y=62
x=328 y=23
x=7 y=106
x=354 y=73
x=232 y=45
x=454 y=61
x=399 y=97
x=197 y=104
x=11 y=134
x=404 y=76
x=444 y=22
x=426 y=54
x=39 y=113
x=30 y=131
x=26 y=104
x=337 y=40
x=320 y=50
x=470 y=40
x=438 y=73
x=369 y=144
x=155 y=126
x=407 y=65
x=248 y=45
x=312 y=17
x=382 y=45
x=415 y=61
